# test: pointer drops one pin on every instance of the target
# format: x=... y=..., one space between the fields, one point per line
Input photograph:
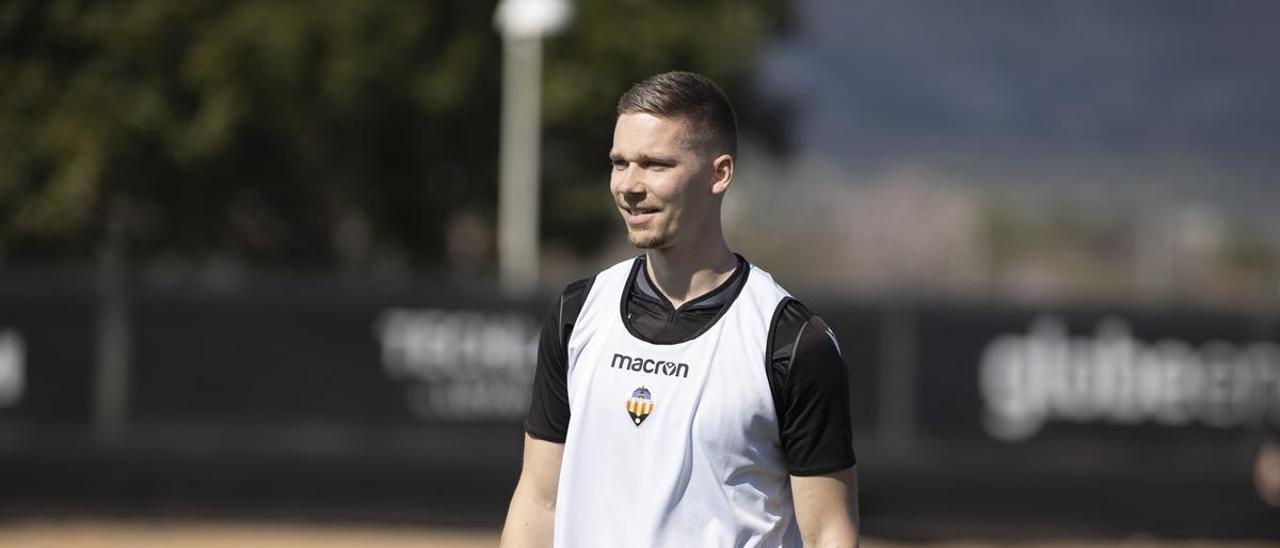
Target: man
x=682 y=398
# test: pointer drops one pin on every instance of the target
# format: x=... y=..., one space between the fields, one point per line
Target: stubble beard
x=646 y=241
x=646 y=238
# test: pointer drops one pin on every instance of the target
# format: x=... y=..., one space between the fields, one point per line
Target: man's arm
x=531 y=516
x=810 y=382
x=827 y=508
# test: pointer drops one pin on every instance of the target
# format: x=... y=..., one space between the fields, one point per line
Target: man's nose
x=631 y=181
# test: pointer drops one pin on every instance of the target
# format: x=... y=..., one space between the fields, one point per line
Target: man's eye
x=618 y=165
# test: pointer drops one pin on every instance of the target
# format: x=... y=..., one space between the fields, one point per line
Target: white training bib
x=673 y=445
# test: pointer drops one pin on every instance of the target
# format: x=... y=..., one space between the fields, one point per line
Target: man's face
x=661 y=179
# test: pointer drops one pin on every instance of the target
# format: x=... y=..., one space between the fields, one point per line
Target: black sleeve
x=549 y=407
x=810 y=384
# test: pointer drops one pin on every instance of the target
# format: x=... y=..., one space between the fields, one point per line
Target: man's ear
x=721 y=174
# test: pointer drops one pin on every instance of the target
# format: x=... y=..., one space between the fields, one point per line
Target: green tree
x=313 y=134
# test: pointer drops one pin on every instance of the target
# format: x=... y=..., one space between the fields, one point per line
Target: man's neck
x=684 y=273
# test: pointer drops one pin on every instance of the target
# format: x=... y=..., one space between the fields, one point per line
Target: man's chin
x=645 y=241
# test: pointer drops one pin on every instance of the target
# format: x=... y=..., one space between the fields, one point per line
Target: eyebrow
x=645 y=158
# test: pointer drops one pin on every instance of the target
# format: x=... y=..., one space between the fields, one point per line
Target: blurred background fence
x=293 y=396
x=249 y=251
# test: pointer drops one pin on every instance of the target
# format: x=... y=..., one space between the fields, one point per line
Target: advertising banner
x=1014 y=376
x=321 y=356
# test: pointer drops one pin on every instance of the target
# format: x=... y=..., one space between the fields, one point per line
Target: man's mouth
x=638 y=215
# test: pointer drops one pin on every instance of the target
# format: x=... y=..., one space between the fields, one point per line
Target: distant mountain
x=1119 y=77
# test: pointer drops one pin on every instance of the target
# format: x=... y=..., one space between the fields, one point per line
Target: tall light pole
x=523 y=24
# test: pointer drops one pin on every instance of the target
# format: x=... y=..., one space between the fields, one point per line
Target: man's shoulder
x=577 y=290
x=790 y=319
x=796 y=328
x=613 y=274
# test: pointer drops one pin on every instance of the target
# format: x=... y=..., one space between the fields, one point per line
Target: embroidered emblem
x=640 y=405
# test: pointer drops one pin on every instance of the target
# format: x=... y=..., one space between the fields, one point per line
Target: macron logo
x=644 y=365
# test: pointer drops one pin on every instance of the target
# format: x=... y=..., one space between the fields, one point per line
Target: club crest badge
x=640 y=405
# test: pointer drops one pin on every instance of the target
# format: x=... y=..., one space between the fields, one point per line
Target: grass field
x=202 y=534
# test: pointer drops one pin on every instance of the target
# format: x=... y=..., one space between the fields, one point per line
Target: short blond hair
x=690 y=96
